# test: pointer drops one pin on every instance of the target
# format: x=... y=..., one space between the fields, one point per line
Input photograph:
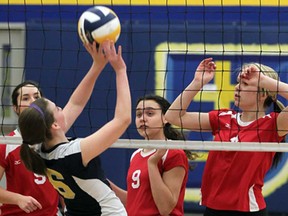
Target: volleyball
x=99 y=23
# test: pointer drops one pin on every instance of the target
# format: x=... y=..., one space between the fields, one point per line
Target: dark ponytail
x=174 y=134
x=35 y=123
x=32 y=160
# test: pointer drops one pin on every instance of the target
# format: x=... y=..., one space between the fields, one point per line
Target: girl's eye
x=149 y=113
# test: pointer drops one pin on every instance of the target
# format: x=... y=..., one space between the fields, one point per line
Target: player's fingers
x=111 y=51
x=94 y=46
x=29 y=209
x=32 y=206
x=36 y=205
x=106 y=47
x=120 y=50
x=105 y=44
x=100 y=48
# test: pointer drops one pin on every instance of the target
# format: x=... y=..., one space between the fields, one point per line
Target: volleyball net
x=182 y=144
x=163 y=42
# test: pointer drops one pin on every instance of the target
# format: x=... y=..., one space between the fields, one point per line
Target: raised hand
x=251 y=75
x=97 y=54
x=112 y=56
x=205 y=71
x=157 y=156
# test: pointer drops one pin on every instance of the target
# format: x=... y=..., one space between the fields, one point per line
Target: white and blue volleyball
x=99 y=23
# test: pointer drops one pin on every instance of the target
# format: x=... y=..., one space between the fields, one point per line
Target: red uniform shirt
x=233 y=180
x=22 y=181
x=139 y=196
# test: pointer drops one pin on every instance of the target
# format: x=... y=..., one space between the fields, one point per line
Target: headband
x=36 y=107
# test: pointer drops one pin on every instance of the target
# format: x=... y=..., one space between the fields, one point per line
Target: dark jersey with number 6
x=85 y=190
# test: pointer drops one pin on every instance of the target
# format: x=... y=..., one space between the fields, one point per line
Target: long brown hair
x=34 y=124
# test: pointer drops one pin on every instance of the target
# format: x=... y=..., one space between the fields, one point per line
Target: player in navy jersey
x=156 y=179
x=73 y=167
x=29 y=192
x=232 y=181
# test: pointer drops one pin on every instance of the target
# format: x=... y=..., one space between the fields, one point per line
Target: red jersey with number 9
x=140 y=201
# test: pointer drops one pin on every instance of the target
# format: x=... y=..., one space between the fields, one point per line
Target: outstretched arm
x=98 y=142
x=82 y=93
x=177 y=113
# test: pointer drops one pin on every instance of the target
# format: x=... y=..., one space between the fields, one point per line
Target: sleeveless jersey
x=22 y=181
x=233 y=180
x=85 y=190
x=140 y=201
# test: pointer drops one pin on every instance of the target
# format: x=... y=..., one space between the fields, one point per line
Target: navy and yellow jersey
x=85 y=190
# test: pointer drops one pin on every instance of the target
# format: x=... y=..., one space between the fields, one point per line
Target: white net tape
x=180 y=144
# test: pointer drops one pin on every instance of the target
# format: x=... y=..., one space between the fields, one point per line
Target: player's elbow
x=167 y=208
x=166 y=211
x=127 y=120
x=170 y=117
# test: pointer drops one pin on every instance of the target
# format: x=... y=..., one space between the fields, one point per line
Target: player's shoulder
x=223 y=114
x=136 y=152
x=61 y=150
x=9 y=148
x=175 y=157
x=176 y=153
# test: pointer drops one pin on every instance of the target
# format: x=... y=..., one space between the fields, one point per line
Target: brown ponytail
x=32 y=160
x=35 y=123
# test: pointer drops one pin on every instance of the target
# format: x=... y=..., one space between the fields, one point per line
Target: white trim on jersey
x=103 y=194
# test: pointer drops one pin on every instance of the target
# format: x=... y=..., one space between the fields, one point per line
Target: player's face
x=150 y=120
x=27 y=95
x=246 y=97
x=57 y=113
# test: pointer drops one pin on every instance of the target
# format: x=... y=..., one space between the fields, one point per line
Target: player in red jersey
x=232 y=181
x=156 y=179
x=28 y=192
x=24 y=188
